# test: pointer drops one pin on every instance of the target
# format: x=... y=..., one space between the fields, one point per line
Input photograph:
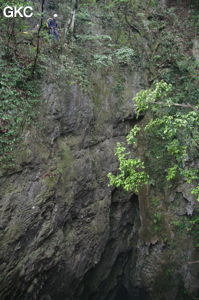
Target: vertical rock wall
x=60 y=222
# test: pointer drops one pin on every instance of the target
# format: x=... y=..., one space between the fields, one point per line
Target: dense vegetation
x=162 y=150
x=170 y=128
x=19 y=88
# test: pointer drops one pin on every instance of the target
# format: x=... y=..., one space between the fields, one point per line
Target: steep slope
x=64 y=233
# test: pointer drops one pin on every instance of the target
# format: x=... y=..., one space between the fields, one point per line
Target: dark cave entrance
x=122 y=294
x=137 y=294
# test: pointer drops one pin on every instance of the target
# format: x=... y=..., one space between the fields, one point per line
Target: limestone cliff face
x=59 y=219
x=64 y=233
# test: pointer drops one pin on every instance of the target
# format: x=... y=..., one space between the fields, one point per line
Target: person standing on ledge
x=52 y=25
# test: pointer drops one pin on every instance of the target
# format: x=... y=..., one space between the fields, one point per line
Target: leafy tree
x=170 y=132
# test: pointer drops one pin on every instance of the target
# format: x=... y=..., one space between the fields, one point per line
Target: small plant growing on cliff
x=124 y=55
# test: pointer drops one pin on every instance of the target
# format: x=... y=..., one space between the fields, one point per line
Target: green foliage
x=157 y=220
x=119 y=86
x=19 y=91
x=171 y=135
x=52 y=4
x=18 y=96
x=124 y=55
x=157 y=217
x=172 y=172
x=180 y=225
x=132 y=171
x=131 y=138
x=97 y=37
x=146 y=98
x=194 y=228
x=102 y=60
x=188 y=225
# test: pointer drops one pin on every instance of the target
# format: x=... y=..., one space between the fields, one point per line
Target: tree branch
x=133 y=28
x=193 y=262
x=176 y=104
x=38 y=39
x=70 y=27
